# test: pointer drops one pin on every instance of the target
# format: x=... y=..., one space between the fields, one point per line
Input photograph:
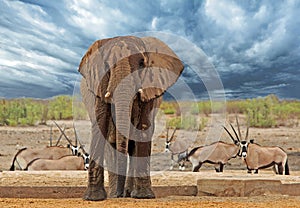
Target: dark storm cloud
x=254 y=45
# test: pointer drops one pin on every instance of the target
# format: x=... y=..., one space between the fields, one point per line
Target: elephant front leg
x=130 y=176
x=143 y=138
x=95 y=190
x=121 y=165
x=110 y=151
x=142 y=181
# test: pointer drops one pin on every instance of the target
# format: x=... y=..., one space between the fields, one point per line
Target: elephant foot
x=143 y=193
x=112 y=177
x=95 y=190
x=128 y=186
x=127 y=192
x=95 y=194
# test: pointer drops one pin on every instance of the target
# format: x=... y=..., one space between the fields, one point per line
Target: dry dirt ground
x=212 y=202
x=14 y=138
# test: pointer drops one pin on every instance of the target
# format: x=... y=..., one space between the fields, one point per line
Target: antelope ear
x=162 y=71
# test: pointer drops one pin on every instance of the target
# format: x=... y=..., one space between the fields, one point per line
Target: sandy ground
x=255 y=202
x=14 y=138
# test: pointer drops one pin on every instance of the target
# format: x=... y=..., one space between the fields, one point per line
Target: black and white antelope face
x=74 y=149
x=168 y=141
x=242 y=144
x=243 y=152
x=167 y=148
x=86 y=160
x=243 y=149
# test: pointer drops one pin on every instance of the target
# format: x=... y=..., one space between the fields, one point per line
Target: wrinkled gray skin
x=122 y=86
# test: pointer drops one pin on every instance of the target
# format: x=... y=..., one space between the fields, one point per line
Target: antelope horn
x=229 y=134
x=247 y=130
x=238 y=125
x=51 y=135
x=167 y=135
x=63 y=133
x=237 y=137
x=77 y=139
x=76 y=136
x=173 y=134
x=59 y=138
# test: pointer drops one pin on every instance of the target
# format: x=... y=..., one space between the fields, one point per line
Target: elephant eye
x=141 y=63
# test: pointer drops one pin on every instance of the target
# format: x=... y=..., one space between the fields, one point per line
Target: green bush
x=27 y=111
x=185 y=122
x=60 y=107
x=267 y=111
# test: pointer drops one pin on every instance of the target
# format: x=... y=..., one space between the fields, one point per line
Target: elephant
x=123 y=80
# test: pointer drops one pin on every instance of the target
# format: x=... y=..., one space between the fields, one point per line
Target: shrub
x=188 y=122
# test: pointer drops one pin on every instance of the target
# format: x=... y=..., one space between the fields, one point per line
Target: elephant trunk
x=123 y=105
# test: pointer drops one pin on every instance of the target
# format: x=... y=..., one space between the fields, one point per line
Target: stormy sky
x=253 y=45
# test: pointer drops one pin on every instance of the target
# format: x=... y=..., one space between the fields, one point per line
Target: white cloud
x=154 y=23
x=43 y=41
x=226 y=14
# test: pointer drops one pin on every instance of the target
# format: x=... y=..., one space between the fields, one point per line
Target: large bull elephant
x=122 y=86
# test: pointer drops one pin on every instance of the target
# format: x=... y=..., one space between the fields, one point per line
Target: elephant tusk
x=141 y=91
x=144 y=126
x=107 y=95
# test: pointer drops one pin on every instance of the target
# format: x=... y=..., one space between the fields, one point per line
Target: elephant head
x=116 y=69
x=124 y=69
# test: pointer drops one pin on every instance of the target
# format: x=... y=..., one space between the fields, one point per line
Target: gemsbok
x=69 y=162
x=25 y=155
x=178 y=150
x=217 y=153
x=86 y=155
x=260 y=157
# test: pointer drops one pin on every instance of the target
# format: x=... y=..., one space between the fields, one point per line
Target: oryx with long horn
x=68 y=162
x=86 y=155
x=74 y=147
x=260 y=157
x=218 y=153
x=178 y=150
x=26 y=155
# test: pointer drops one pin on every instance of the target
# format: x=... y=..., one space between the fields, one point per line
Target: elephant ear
x=90 y=64
x=102 y=56
x=164 y=68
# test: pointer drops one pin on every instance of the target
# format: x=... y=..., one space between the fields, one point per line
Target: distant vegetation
x=261 y=112
x=29 y=112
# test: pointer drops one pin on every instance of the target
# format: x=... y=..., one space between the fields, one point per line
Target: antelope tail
x=32 y=161
x=12 y=167
x=286 y=168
